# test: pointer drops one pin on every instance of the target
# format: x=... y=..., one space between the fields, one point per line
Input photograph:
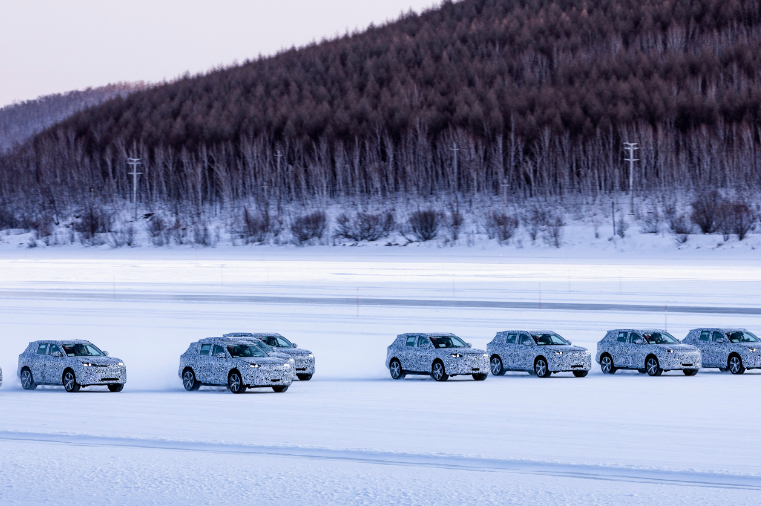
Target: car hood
x=263 y=360
x=278 y=354
x=98 y=360
x=564 y=348
x=747 y=345
x=293 y=351
x=676 y=347
x=466 y=352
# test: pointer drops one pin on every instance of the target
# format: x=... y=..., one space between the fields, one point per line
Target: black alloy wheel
x=606 y=364
x=438 y=373
x=736 y=365
x=540 y=368
x=235 y=383
x=70 y=381
x=395 y=368
x=189 y=380
x=27 y=380
x=653 y=367
x=497 y=369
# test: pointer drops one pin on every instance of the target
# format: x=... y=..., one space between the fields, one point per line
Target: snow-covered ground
x=352 y=435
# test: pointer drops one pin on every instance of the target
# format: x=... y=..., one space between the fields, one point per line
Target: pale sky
x=52 y=46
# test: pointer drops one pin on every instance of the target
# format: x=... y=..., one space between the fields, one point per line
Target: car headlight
x=486 y=355
x=751 y=349
x=558 y=353
x=87 y=364
x=254 y=365
x=669 y=351
x=120 y=363
x=287 y=366
x=456 y=355
x=310 y=355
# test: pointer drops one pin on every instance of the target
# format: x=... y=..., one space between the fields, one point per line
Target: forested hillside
x=22 y=120
x=536 y=96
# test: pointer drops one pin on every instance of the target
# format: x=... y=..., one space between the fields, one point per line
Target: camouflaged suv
x=437 y=355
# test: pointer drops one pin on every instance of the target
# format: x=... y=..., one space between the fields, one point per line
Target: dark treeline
x=537 y=96
x=22 y=120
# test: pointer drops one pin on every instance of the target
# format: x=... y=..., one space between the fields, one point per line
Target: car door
x=218 y=367
x=620 y=351
x=203 y=364
x=509 y=352
x=720 y=347
x=407 y=353
x=525 y=353
x=54 y=366
x=38 y=361
x=635 y=351
x=703 y=343
x=425 y=355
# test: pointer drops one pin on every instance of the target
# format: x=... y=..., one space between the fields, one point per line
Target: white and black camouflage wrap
x=240 y=336
x=519 y=350
x=729 y=349
x=1 y=376
x=48 y=362
x=634 y=349
x=304 y=359
x=211 y=364
x=416 y=354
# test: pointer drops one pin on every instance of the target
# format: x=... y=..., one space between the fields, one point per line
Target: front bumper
x=570 y=361
x=96 y=375
x=467 y=365
x=304 y=364
x=751 y=360
x=679 y=361
x=264 y=376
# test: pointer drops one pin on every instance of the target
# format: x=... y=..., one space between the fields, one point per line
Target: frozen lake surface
x=352 y=435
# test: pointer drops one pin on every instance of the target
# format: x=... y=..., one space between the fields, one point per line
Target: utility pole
x=631 y=147
x=134 y=162
x=505 y=185
x=455 y=150
x=279 y=155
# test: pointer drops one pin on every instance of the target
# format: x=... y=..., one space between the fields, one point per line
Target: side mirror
x=721 y=340
x=295 y=345
x=220 y=355
x=57 y=354
x=105 y=353
x=638 y=341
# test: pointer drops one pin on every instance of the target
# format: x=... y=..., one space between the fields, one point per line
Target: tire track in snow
x=354 y=301
x=684 y=478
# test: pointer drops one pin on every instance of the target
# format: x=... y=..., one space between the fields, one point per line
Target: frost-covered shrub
x=705 y=211
x=555 y=231
x=736 y=217
x=454 y=222
x=500 y=226
x=257 y=227
x=364 y=226
x=178 y=232
x=309 y=226
x=681 y=228
x=93 y=221
x=536 y=221
x=203 y=235
x=650 y=222
x=424 y=225
x=126 y=235
x=157 y=230
x=621 y=226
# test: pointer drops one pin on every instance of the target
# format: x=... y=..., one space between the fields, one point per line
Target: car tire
x=479 y=377
x=189 y=380
x=541 y=369
x=580 y=374
x=117 y=387
x=496 y=367
x=304 y=377
x=235 y=383
x=280 y=388
x=690 y=372
x=438 y=372
x=735 y=364
x=395 y=368
x=70 y=381
x=642 y=371
x=652 y=366
x=606 y=364
x=27 y=379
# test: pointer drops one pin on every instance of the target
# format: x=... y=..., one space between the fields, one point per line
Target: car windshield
x=245 y=351
x=548 y=339
x=448 y=342
x=738 y=336
x=262 y=346
x=659 y=338
x=277 y=342
x=82 y=350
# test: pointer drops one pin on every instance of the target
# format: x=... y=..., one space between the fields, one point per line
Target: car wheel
x=118 y=387
x=736 y=365
x=70 y=381
x=438 y=373
x=280 y=388
x=479 y=377
x=27 y=380
x=540 y=368
x=580 y=374
x=690 y=372
x=653 y=367
x=497 y=369
x=235 y=383
x=395 y=367
x=606 y=364
x=304 y=377
x=189 y=380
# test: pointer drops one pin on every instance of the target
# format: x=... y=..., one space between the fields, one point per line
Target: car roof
x=257 y=335
x=640 y=330
x=723 y=329
x=527 y=331
x=67 y=341
x=428 y=334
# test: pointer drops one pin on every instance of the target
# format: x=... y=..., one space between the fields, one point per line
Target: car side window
x=217 y=349
x=205 y=349
x=42 y=349
x=705 y=335
x=411 y=340
x=717 y=336
x=526 y=339
x=511 y=338
x=622 y=337
x=54 y=348
x=633 y=337
x=422 y=342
